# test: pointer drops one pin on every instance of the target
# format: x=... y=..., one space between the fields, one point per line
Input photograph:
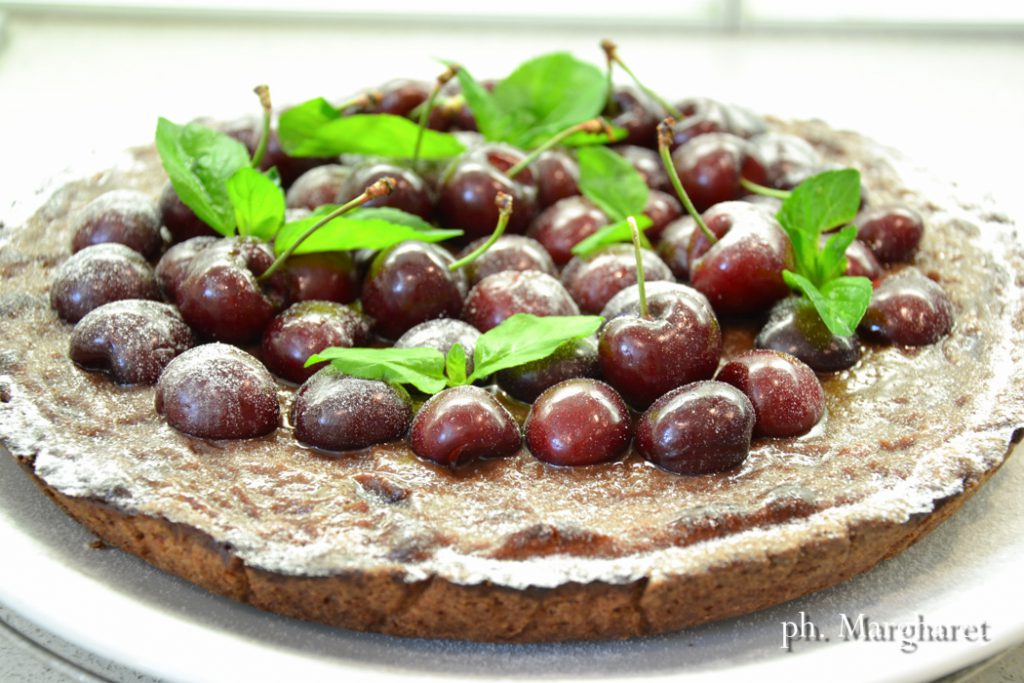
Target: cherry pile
x=149 y=280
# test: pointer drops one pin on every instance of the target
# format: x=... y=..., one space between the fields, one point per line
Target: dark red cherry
x=127 y=217
x=702 y=116
x=634 y=111
x=442 y=334
x=891 y=232
x=220 y=297
x=564 y=224
x=336 y=412
x=318 y=186
x=469 y=188
x=401 y=96
x=410 y=283
x=788 y=160
x=674 y=246
x=592 y=281
x=306 y=328
x=648 y=164
x=410 y=194
x=742 y=272
x=908 y=309
x=578 y=422
x=795 y=328
x=324 y=276
x=217 y=391
x=861 y=262
x=509 y=252
x=98 y=275
x=701 y=428
x=662 y=209
x=173 y=266
x=180 y=220
x=710 y=167
x=131 y=340
x=678 y=343
x=576 y=358
x=558 y=177
x=788 y=399
x=627 y=301
x=462 y=425
x=504 y=294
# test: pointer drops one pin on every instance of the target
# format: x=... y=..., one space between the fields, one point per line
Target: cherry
x=98 y=275
x=908 y=309
x=662 y=209
x=742 y=272
x=173 y=266
x=647 y=164
x=705 y=116
x=509 y=252
x=674 y=246
x=576 y=358
x=788 y=399
x=220 y=297
x=462 y=425
x=860 y=261
x=558 y=177
x=593 y=280
x=410 y=193
x=318 y=186
x=788 y=160
x=180 y=220
x=710 y=167
x=892 y=232
x=304 y=329
x=470 y=186
x=504 y=294
x=627 y=301
x=336 y=412
x=442 y=334
x=564 y=224
x=677 y=342
x=131 y=340
x=700 y=428
x=795 y=328
x=410 y=283
x=400 y=97
x=578 y=422
x=324 y=276
x=217 y=391
x=637 y=114
x=127 y=217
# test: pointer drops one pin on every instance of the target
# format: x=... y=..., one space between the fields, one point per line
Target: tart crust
x=513 y=550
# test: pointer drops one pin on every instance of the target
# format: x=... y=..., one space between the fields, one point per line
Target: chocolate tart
x=515 y=550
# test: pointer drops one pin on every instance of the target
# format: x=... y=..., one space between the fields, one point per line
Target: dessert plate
x=113 y=604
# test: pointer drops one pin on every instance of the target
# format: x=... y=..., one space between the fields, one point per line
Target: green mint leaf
x=455 y=365
x=832 y=258
x=613 y=234
x=490 y=119
x=364 y=231
x=199 y=161
x=841 y=303
x=822 y=202
x=317 y=129
x=389 y=214
x=258 y=201
x=420 y=367
x=523 y=338
x=611 y=182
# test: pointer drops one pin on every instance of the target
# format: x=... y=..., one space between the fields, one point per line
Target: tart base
x=381 y=601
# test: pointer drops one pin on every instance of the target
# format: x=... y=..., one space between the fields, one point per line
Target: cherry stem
x=442 y=80
x=366 y=99
x=611 y=51
x=751 y=186
x=597 y=125
x=263 y=92
x=504 y=202
x=635 y=231
x=664 y=142
x=381 y=188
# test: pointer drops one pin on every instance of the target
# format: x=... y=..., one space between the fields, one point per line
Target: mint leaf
x=389 y=214
x=822 y=202
x=613 y=234
x=366 y=231
x=258 y=201
x=316 y=129
x=523 y=338
x=420 y=367
x=199 y=161
x=832 y=258
x=490 y=119
x=841 y=303
x=611 y=182
x=455 y=365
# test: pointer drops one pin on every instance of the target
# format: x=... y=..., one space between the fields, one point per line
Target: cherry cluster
x=653 y=376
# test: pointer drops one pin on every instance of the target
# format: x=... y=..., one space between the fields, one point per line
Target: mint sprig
x=373 y=228
x=317 y=129
x=820 y=203
x=258 y=202
x=520 y=339
x=618 y=189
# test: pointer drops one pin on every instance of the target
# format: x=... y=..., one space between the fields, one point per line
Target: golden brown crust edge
x=436 y=608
